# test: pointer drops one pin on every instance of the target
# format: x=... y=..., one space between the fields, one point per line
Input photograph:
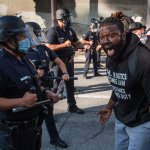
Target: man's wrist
x=65 y=72
x=111 y=104
x=45 y=90
x=109 y=107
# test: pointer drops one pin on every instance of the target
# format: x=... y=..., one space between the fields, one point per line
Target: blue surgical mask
x=39 y=38
x=24 y=45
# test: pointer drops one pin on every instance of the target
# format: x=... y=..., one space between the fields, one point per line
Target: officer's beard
x=67 y=23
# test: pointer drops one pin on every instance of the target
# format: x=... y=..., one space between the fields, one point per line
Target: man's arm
x=80 y=43
x=63 y=68
x=27 y=100
x=105 y=113
x=56 y=47
x=53 y=43
x=60 y=63
x=111 y=104
x=54 y=58
x=83 y=41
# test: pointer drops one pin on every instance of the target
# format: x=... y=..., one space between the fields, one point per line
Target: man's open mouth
x=110 y=52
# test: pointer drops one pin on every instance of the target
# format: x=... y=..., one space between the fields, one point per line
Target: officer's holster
x=14 y=128
x=43 y=114
x=11 y=135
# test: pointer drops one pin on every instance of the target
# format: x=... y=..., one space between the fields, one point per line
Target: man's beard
x=68 y=23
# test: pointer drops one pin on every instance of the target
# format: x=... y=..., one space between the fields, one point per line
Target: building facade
x=82 y=10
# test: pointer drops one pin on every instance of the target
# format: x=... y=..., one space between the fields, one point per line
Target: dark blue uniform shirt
x=16 y=79
x=56 y=35
x=42 y=53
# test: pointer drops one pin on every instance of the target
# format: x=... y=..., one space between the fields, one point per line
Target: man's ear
x=124 y=36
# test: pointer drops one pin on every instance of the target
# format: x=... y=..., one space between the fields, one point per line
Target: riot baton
x=58 y=78
x=22 y=108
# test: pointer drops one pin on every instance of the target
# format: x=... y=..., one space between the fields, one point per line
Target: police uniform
x=91 y=53
x=56 y=35
x=16 y=79
x=42 y=53
x=147 y=43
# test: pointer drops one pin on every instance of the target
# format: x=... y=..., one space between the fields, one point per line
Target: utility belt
x=10 y=130
x=21 y=124
x=10 y=134
x=36 y=121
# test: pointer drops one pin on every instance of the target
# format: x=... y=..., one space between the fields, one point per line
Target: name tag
x=24 y=78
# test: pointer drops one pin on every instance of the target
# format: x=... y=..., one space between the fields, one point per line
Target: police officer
x=21 y=130
x=62 y=39
x=42 y=56
x=138 y=29
x=147 y=42
x=90 y=50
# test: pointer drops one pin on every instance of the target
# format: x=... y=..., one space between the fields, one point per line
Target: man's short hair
x=113 y=21
x=126 y=20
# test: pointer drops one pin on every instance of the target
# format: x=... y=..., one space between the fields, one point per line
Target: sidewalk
x=82 y=132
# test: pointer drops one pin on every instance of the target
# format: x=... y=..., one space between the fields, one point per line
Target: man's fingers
x=102 y=121
x=103 y=118
x=98 y=113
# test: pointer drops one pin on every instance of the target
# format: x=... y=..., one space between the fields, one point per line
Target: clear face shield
x=32 y=37
x=43 y=36
x=22 y=38
x=71 y=18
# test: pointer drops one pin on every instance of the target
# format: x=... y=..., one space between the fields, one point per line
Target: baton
x=59 y=78
x=22 y=108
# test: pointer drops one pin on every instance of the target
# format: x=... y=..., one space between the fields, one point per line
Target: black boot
x=97 y=74
x=75 y=109
x=58 y=142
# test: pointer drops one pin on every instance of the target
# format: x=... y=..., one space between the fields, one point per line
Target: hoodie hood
x=132 y=41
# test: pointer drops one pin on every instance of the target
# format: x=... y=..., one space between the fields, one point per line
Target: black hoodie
x=130 y=79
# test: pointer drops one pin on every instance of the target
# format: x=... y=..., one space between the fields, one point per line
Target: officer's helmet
x=94 y=27
x=37 y=34
x=135 y=26
x=62 y=13
x=9 y=26
x=36 y=27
